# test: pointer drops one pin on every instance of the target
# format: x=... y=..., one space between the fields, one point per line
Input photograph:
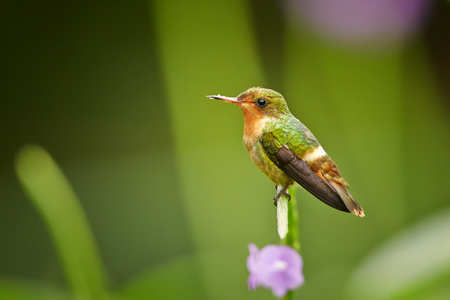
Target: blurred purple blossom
x=362 y=21
x=276 y=267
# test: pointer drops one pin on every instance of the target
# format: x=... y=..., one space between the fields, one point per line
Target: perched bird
x=287 y=152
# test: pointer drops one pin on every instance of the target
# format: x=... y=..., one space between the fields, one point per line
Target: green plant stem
x=292 y=237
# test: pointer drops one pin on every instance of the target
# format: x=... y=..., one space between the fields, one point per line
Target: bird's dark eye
x=261 y=102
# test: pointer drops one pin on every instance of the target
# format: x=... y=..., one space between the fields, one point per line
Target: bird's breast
x=268 y=167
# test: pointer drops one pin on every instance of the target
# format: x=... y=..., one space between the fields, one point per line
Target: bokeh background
x=115 y=92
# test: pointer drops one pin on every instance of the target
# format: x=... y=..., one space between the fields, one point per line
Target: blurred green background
x=115 y=92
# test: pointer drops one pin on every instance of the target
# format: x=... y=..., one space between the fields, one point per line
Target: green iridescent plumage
x=287 y=132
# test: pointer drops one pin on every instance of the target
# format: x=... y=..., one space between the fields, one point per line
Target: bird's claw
x=280 y=193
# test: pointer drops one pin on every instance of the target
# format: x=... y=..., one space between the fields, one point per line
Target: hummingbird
x=287 y=152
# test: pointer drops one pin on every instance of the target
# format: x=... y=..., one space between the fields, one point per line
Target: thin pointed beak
x=223 y=98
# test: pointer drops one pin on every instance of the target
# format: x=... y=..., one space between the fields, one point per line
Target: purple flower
x=276 y=267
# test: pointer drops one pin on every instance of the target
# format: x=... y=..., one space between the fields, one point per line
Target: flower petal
x=252 y=282
x=252 y=264
x=279 y=291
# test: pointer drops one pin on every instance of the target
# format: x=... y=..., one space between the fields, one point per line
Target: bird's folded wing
x=298 y=169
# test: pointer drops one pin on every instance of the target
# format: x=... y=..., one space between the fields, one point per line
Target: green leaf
x=411 y=265
x=57 y=203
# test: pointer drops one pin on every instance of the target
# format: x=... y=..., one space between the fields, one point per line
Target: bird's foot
x=280 y=192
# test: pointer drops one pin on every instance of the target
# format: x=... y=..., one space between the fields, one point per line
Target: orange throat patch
x=254 y=121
